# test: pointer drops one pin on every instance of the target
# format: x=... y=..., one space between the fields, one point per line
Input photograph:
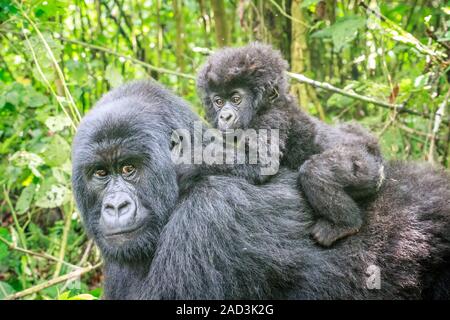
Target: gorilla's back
x=401 y=252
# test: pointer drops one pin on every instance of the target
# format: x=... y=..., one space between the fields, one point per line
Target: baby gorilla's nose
x=227 y=117
x=118 y=211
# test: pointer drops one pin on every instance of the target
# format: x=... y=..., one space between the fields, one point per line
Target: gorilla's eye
x=218 y=101
x=236 y=99
x=128 y=169
x=100 y=173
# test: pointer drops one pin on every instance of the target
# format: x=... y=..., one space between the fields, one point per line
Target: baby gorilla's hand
x=331 y=182
x=326 y=233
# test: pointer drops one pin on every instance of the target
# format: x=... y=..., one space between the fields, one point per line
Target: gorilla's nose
x=118 y=210
x=227 y=117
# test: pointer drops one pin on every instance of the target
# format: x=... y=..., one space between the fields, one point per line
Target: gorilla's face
x=124 y=180
x=231 y=108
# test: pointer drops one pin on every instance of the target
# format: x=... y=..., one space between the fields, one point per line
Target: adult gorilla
x=222 y=237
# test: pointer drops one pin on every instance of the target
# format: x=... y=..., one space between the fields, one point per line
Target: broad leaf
x=342 y=31
x=25 y=198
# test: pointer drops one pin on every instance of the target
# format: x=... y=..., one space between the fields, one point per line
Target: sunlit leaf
x=307 y=3
x=113 y=75
x=52 y=195
x=56 y=152
x=25 y=198
x=5 y=289
x=342 y=31
x=27 y=159
x=4 y=250
x=57 y=123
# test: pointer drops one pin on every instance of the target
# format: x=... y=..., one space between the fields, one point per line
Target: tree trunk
x=206 y=23
x=279 y=27
x=300 y=60
x=220 y=22
x=179 y=40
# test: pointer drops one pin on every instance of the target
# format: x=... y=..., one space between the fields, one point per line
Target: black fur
x=338 y=165
x=224 y=237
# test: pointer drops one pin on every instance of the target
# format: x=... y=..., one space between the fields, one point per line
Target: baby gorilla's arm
x=249 y=172
x=332 y=181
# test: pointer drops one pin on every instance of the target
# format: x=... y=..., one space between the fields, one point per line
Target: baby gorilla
x=246 y=88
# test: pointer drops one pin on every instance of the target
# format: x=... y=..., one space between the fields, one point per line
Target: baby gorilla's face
x=233 y=108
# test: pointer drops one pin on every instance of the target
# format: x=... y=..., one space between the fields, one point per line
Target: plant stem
x=49 y=283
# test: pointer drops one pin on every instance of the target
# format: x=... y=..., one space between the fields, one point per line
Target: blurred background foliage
x=57 y=57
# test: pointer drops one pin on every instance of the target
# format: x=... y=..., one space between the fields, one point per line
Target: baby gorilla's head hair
x=237 y=82
x=256 y=66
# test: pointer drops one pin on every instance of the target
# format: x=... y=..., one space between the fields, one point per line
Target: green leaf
x=5 y=289
x=339 y=101
x=113 y=75
x=4 y=250
x=45 y=61
x=56 y=152
x=7 y=8
x=4 y=233
x=27 y=159
x=13 y=98
x=307 y=3
x=64 y=296
x=25 y=198
x=50 y=8
x=83 y=296
x=57 y=123
x=342 y=31
x=35 y=99
x=52 y=194
x=97 y=292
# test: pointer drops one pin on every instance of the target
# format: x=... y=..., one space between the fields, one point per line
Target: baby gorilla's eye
x=219 y=102
x=128 y=169
x=236 y=99
x=100 y=173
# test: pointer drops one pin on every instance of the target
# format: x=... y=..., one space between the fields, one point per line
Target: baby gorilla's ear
x=273 y=93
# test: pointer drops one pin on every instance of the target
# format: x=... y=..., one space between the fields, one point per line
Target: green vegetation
x=57 y=57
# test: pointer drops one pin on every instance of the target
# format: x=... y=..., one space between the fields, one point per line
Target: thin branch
x=413 y=131
x=19 y=228
x=59 y=72
x=433 y=36
x=326 y=86
x=133 y=60
x=65 y=236
x=299 y=77
x=406 y=36
x=284 y=13
x=52 y=282
x=437 y=122
x=86 y=253
x=47 y=83
x=119 y=26
x=46 y=256
x=114 y=53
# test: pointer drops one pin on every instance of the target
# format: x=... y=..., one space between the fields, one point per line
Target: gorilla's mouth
x=128 y=233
